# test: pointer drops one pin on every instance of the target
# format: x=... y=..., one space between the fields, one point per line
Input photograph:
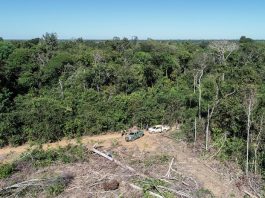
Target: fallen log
x=117 y=162
x=102 y=154
x=250 y=194
x=169 y=168
x=183 y=194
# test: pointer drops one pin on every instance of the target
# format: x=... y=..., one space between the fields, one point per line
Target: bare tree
x=200 y=90
x=97 y=57
x=201 y=62
x=61 y=88
x=207 y=129
x=223 y=49
x=195 y=79
x=257 y=144
x=250 y=101
x=195 y=130
x=209 y=116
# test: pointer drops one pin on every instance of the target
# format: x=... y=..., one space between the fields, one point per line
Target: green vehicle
x=134 y=135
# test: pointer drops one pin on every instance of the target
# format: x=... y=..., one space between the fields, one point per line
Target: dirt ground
x=186 y=164
x=9 y=153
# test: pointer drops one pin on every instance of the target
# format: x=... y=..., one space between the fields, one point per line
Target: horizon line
x=130 y=38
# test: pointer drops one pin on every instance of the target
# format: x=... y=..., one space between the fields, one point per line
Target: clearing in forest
x=149 y=155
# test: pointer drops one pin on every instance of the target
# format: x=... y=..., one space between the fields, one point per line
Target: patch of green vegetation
x=69 y=154
x=163 y=194
x=6 y=170
x=151 y=185
x=55 y=189
x=156 y=159
x=58 y=187
x=179 y=135
x=263 y=191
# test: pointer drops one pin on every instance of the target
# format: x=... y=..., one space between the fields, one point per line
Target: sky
x=156 y=19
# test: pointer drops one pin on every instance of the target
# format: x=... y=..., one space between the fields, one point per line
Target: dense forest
x=214 y=90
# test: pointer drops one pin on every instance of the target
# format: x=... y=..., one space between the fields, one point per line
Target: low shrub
x=151 y=184
x=58 y=187
x=6 y=170
x=69 y=154
x=156 y=159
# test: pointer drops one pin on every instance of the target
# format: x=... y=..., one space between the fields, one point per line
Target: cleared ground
x=143 y=155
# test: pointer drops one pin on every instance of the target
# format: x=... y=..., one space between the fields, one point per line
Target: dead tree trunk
x=250 y=102
x=195 y=77
x=248 y=133
x=195 y=130
x=200 y=92
x=207 y=129
x=209 y=116
x=256 y=147
x=223 y=77
x=201 y=61
x=61 y=88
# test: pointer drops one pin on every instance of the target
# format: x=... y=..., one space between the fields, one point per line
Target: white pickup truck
x=158 y=129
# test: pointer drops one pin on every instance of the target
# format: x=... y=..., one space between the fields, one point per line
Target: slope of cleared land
x=143 y=155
